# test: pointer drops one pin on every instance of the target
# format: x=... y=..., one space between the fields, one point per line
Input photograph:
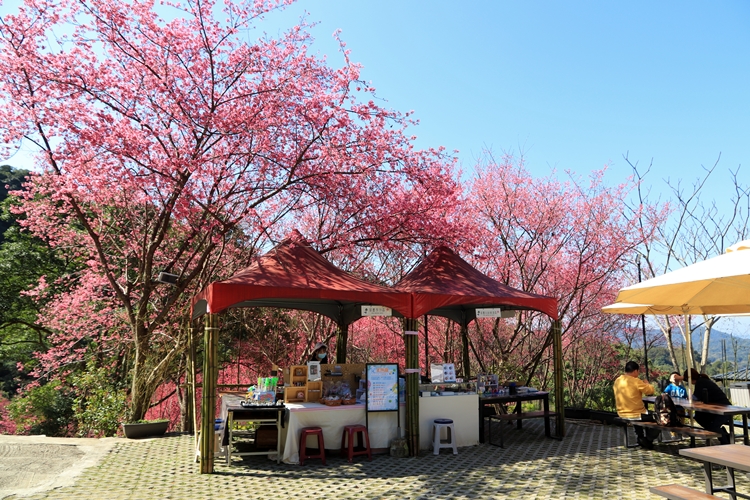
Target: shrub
x=45 y=409
x=99 y=407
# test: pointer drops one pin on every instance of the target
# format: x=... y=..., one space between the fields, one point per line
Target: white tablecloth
x=382 y=426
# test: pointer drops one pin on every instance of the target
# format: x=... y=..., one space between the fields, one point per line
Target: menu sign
x=382 y=387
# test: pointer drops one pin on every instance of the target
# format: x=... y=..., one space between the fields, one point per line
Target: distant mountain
x=714 y=345
x=719 y=339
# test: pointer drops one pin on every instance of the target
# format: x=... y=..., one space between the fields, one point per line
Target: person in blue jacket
x=675 y=389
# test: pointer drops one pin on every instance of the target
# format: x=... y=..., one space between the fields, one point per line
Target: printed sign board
x=382 y=387
x=494 y=312
x=376 y=311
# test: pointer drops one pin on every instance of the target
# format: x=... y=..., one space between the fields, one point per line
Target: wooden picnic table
x=517 y=414
x=727 y=410
x=732 y=456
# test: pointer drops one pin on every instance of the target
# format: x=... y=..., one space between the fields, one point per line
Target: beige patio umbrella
x=720 y=285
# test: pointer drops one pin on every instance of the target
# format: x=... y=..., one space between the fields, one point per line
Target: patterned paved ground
x=589 y=463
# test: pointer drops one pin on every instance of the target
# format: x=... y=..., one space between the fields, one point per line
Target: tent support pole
x=208 y=405
x=558 y=368
x=411 y=342
x=190 y=404
x=427 y=347
x=465 y=347
x=342 y=338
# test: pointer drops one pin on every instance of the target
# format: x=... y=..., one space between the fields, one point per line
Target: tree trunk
x=140 y=397
x=709 y=323
x=670 y=348
x=558 y=369
x=342 y=337
x=465 y=351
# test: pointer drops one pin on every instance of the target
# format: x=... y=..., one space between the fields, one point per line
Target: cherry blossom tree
x=176 y=144
x=697 y=230
x=572 y=240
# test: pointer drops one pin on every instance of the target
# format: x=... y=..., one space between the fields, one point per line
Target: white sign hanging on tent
x=376 y=311
x=494 y=312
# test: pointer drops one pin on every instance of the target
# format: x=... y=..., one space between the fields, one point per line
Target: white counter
x=463 y=409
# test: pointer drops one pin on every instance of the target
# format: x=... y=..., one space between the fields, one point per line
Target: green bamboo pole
x=190 y=403
x=208 y=406
x=342 y=337
x=558 y=367
x=411 y=341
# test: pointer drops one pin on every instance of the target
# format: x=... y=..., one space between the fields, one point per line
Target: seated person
x=706 y=391
x=675 y=389
x=629 y=392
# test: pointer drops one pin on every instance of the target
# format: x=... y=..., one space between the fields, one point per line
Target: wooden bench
x=693 y=432
x=679 y=492
x=507 y=417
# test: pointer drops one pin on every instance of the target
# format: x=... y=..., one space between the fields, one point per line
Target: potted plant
x=145 y=428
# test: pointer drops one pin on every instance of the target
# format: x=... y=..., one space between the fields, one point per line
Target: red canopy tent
x=293 y=275
x=444 y=284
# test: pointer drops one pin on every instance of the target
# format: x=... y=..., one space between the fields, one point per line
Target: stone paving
x=589 y=463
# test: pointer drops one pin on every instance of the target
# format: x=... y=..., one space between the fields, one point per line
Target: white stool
x=437 y=426
x=219 y=450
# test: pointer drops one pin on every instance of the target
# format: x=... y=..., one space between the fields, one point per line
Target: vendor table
x=332 y=419
x=462 y=409
x=382 y=425
x=730 y=411
x=731 y=456
x=485 y=401
x=232 y=411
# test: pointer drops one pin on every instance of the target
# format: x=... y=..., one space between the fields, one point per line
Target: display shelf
x=300 y=390
x=314 y=391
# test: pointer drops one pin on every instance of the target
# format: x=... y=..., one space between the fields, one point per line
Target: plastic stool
x=219 y=450
x=218 y=438
x=364 y=442
x=311 y=431
x=437 y=426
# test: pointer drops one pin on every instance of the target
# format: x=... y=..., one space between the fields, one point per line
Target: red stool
x=350 y=431
x=311 y=431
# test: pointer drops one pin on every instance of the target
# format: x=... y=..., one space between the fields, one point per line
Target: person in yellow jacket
x=629 y=392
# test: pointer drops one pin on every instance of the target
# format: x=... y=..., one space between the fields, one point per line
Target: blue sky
x=571 y=85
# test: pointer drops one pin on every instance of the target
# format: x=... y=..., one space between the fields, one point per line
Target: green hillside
x=721 y=347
